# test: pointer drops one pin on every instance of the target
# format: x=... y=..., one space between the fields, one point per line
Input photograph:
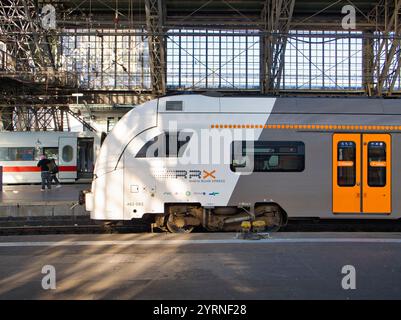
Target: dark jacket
x=43 y=164
x=53 y=168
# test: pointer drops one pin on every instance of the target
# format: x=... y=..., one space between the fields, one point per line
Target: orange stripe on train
x=308 y=126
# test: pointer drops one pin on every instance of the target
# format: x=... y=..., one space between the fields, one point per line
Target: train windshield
x=167 y=144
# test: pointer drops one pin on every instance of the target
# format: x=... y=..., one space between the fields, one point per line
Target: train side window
x=51 y=153
x=377 y=164
x=4 y=154
x=17 y=154
x=346 y=163
x=182 y=142
x=23 y=154
x=167 y=144
x=67 y=153
x=268 y=156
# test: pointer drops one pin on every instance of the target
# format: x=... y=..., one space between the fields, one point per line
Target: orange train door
x=362 y=173
x=346 y=173
x=376 y=188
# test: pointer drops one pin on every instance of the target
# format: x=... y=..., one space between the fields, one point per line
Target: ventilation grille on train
x=173 y=105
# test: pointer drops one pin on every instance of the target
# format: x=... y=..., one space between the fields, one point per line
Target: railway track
x=293 y=226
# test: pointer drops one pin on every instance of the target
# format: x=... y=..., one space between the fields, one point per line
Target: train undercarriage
x=180 y=218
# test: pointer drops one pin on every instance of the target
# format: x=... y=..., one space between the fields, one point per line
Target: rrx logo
x=193 y=174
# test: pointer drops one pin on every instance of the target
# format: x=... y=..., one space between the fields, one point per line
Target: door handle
x=358 y=184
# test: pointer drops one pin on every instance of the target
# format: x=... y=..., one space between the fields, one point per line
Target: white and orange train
x=74 y=152
x=191 y=160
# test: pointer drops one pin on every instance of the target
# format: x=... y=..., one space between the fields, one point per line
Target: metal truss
x=34 y=56
x=34 y=118
x=30 y=62
x=30 y=49
x=38 y=118
x=277 y=16
x=21 y=30
x=155 y=12
x=387 y=60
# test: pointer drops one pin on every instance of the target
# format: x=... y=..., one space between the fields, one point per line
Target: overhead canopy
x=321 y=14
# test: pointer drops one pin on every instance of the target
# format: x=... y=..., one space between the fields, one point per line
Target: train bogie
x=183 y=218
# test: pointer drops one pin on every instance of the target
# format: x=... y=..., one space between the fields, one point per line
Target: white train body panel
x=30 y=145
x=127 y=187
x=108 y=201
x=297 y=161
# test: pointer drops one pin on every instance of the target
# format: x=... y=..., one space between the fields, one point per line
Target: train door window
x=377 y=164
x=268 y=156
x=67 y=153
x=346 y=164
x=167 y=144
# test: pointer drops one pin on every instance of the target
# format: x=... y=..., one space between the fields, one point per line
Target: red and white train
x=74 y=152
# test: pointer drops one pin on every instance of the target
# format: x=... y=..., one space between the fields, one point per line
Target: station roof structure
x=226 y=13
x=127 y=51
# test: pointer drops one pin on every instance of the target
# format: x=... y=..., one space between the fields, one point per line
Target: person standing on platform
x=53 y=169
x=44 y=172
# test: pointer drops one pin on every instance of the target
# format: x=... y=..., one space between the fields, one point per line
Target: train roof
x=291 y=105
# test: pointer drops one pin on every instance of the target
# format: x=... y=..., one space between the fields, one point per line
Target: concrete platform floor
x=31 y=194
x=201 y=266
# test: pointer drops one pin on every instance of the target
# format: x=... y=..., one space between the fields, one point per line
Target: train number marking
x=135 y=204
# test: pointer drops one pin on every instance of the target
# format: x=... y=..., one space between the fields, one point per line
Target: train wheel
x=272 y=215
x=175 y=225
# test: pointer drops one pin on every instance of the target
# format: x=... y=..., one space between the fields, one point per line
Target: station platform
x=202 y=266
x=30 y=201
